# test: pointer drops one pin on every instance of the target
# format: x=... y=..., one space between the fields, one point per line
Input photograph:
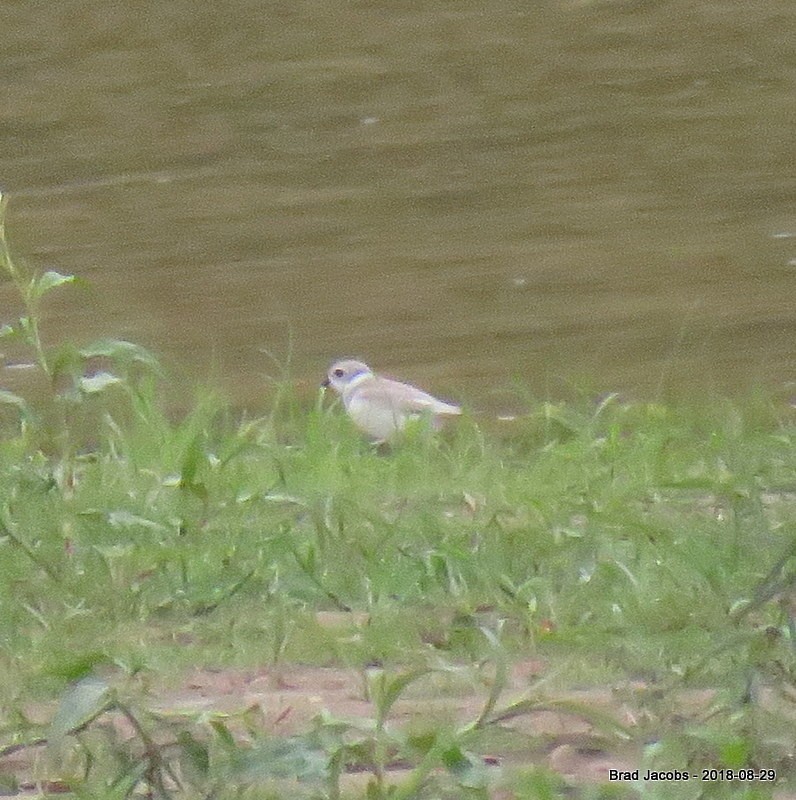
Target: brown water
x=462 y=193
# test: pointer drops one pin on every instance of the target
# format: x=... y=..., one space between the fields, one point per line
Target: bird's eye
x=338 y=373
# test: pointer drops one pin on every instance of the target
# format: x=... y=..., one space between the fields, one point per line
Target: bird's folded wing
x=403 y=398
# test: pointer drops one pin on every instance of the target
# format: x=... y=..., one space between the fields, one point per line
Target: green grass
x=643 y=547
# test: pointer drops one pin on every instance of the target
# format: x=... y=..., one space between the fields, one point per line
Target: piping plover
x=381 y=407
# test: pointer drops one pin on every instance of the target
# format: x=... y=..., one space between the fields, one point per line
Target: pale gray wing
x=402 y=398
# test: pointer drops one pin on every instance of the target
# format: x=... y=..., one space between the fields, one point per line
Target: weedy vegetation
x=640 y=556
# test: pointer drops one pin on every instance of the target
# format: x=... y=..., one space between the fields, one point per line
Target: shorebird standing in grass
x=381 y=407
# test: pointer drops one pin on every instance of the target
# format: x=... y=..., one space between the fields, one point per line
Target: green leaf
x=293 y=758
x=389 y=689
x=223 y=733
x=193 y=459
x=126 y=519
x=601 y=720
x=83 y=702
x=736 y=752
x=47 y=282
x=467 y=769
x=64 y=359
x=98 y=382
x=122 y=352
x=194 y=756
x=124 y=784
x=11 y=399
